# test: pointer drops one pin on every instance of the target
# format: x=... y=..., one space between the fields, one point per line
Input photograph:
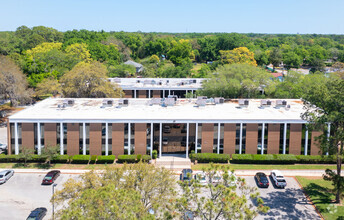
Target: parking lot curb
x=309 y=199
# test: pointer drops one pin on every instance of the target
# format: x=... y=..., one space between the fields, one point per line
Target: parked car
x=167 y=129
x=176 y=125
x=278 y=179
x=233 y=179
x=201 y=178
x=3 y=147
x=51 y=177
x=216 y=178
x=186 y=175
x=183 y=129
x=262 y=180
x=165 y=141
x=37 y=214
x=6 y=175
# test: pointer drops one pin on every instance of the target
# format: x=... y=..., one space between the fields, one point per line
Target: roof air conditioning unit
x=194 y=81
x=201 y=102
x=201 y=97
x=173 y=96
x=243 y=102
x=68 y=102
x=219 y=100
x=107 y=102
x=281 y=103
x=265 y=103
x=169 y=102
x=138 y=81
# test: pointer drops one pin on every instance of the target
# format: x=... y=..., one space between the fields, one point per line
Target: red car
x=50 y=177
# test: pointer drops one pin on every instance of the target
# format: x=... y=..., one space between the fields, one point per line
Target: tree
x=122 y=70
x=26 y=154
x=275 y=57
x=89 y=80
x=238 y=55
x=226 y=199
x=50 y=152
x=291 y=60
x=80 y=51
x=49 y=86
x=325 y=104
x=181 y=52
x=127 y=192
x=13 y=84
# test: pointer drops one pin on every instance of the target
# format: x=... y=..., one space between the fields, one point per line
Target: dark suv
x=262 y=180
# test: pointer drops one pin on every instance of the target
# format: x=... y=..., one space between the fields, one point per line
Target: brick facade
x=273 y=138
x=28 y=139
x=229 y=138
x=95 y=139
x=50 y=134
x=142 y=94
x=72 y=138
x=295 y=139
x=140 y=138
x=117 y=138
x=156 y=93
x=207 y=137
x=315 y=150
x=128 y=93
x=251 y=138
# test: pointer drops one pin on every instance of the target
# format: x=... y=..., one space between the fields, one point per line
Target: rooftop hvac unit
x=201 y=102
x=155 y=101
x=68 y=102
x=147 y=82
x=160 y=83
x=169 y=102
x=125 y=102
x=243 y=102
x=219 y=100
x=153 y=82
x=265 y=102
x=173 y=96
x=194 y=81
x=167 y=81
x=138 y=81
x=107 y=102
x=280 y=103
x=201 y=97
x=116 y=80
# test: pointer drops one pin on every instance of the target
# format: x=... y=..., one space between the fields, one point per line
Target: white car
x=165 y=141
x=217 y=178
x=278 y=179
x=3 y=147
x=6 y=175
x=233 y=179
x=201 y=177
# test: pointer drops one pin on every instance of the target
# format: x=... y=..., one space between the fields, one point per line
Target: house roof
x=277 y=74
x=133 y=63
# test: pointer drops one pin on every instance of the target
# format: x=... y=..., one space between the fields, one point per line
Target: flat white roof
x=138 y=110
x=158 y=83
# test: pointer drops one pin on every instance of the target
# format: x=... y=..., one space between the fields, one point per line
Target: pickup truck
x=278 y=179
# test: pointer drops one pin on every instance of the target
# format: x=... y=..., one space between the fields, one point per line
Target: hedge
x=36 y=159
x=316 y=159
x=9 y=158
x=133 y=158
x=61 y=159
x=93 y=159
x=81 y=159
x=264 y=158
x=126 y=158
x=209 y=158
x=106 y=159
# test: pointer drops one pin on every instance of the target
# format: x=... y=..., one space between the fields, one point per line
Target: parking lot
x=23 y=193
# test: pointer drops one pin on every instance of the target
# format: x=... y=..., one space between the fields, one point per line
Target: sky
x=242 y=16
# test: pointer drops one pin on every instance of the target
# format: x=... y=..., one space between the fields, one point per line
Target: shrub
x=81 y=159
x=155 y=154
x=93 y=159
x=285 y=159
x=106 y=159
x=9 y=158
x=315 y=159
x=264 y=158
x=126 y=159
x=38 y=158
x=210 y=158
x=146 y=158
x=241 y=158
x=61 y=159
x=138 y=157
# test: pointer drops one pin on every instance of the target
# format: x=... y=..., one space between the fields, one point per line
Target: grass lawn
x=270 y=167
x=55 y=166
x=319 y=192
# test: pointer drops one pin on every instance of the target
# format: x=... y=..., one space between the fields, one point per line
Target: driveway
x=23 y=193
x=288 y=203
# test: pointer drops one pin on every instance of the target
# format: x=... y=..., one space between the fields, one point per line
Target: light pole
x=54 y=185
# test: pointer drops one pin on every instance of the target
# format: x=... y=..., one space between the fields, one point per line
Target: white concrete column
x=169 y=92
x=187 y=140
x=149 y=93
x=328 y=133
x=106 y=139
x=16 y=143
x=160 y=140
x=285 y=138
x=135 y=93
x=163 y=93
x=186 y=92
x=38 y=138
x=196 y=138
x=192 y=93
x=129 y=138
x=84 y=138
x=240 y=139
x=61 y=139
x=151 y=140
x=306 y=140
x=218 y=137
x=263 y=134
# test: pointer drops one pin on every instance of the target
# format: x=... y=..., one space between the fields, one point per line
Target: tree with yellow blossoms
x=238 y=55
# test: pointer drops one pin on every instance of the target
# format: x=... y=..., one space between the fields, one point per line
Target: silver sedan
x=6 y=175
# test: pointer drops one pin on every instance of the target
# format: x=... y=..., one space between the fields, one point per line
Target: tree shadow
x=42 y=166
x=319 y=194
x=288 y=204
